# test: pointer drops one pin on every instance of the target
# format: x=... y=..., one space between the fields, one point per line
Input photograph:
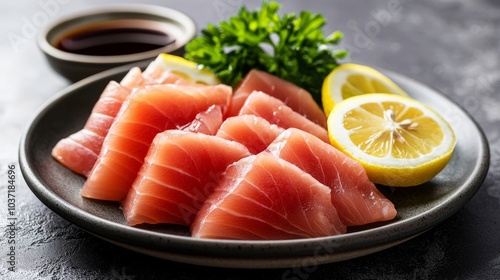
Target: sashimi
x=79 y=151
x=252 y=131
x=179 y=172
x=156 y=73
x=263 y=197
x=147 y=112
x=133 y=78
x=293 y=96
x=206 y=122
x=276 y=112
x=356 y=198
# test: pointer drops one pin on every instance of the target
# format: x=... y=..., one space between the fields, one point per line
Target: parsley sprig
x=292 y=47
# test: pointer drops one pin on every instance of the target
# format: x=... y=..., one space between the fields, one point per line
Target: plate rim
x=141 y=238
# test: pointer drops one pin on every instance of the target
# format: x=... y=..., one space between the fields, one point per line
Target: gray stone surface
x=452 y=46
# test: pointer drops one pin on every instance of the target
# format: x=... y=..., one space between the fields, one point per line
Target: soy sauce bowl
x=76 y=66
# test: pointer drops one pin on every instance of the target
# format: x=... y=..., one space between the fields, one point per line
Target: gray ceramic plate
x=419 y=208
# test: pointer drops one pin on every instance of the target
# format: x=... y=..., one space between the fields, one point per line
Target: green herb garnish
x=291 y=47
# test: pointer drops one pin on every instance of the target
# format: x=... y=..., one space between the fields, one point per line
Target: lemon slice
x=348 y=80
x=187 y=69
x=399 y=141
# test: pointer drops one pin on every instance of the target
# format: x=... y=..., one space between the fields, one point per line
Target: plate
x=419 y=208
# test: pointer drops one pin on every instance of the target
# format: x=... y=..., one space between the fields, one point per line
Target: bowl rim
x=142 y=9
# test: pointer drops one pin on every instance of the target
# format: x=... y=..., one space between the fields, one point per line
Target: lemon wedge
x=186 y=69
x=399 y=141
x=348 y=80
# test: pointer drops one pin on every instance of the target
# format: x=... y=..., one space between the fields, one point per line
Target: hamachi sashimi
x=293 y=96
x=356 y=198
x=207 y=122
x=263 y=197
x=79 y=151
x=276 y=112
x=252 y=131
x=179 y=172
x=147 y=112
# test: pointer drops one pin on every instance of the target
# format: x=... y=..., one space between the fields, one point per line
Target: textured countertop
x=452 y=46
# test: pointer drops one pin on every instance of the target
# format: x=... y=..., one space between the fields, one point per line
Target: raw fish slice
x=147 y=112
x=156 y=74
x=293 y=96
x=356 y=198
x=276 y=112
x=252 y=131
x=133 y=79
x=179 y=172
x=207 y=122
x=268 y=198
x=79 y=151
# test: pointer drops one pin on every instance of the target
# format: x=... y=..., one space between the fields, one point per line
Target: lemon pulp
x=186 y=69
x=348 y=80
x=399 y=141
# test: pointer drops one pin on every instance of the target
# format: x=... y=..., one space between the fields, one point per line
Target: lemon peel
x=399 y=141
x=350 y=79
x=186 y=69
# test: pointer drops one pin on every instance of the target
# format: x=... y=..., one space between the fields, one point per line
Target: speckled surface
x=452 y=46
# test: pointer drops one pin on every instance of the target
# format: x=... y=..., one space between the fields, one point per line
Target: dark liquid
x=105 y=41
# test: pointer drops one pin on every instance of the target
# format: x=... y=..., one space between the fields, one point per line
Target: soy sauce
x=114 y=38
